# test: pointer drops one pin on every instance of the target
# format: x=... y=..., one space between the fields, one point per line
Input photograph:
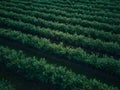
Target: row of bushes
x=89 y=6
x=104 y=36
x=93 y=24
x=73 y=7
x=58 y=50
x=96 y=2
x=59 y=11
x=64 y=4
x=86 y=23
x=82 y=7
x=69 y=12
x=67 y=5
x=57 y=76
x=110 y=6
x=111 y=49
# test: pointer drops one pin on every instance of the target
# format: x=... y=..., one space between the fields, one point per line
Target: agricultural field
x=59 y=44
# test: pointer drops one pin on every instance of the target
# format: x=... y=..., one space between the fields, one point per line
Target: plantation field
x=59 y=44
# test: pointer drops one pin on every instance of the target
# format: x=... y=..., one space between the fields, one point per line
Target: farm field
x=59 y=45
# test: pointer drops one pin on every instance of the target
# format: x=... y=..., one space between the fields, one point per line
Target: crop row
x=64 y=11
x=59 y=5
x=58 y=50
x=105 y=36
x=57 y=76
x=63 y=19
x=86 y=23
x=53 y=10
x=111 y=49
x=74 y=7
x=93 y=2
x=97 y=2
x=79 y=1
x=89 y=6
x=77 y=13
x=60 y=9
x=112 y=5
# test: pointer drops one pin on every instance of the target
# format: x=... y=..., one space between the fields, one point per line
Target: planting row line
x=69 y=11
x=28 y=12
x=105 y=3
x=86 y=23
x=72 y=22
x=57 y=4
x=57 y=76
x=78 y=11
x=47 y=9
x=87 y=6
x=75 y=66
x=72 y=7
x=105 y=36
x=112 y=3
x=106 y=64
x=56 y=12
x=111 y=49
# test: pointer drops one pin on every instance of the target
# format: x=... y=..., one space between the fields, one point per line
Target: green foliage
x=5 y=85
x=81 y=31
x=70 y=29
x=57 y=76
x=75 y=40
x=58 y=50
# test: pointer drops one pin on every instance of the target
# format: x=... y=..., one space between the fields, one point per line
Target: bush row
x=111 y=6
x=71 y=9
x=86 y=23
x=97 y=2
x=87 y=5
x=59 y=11
x=111 y=49
x=57 y=76
x=58 y=50
x=104 y=36
x=75 y=7
x=65 y=11
x=94 y=24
